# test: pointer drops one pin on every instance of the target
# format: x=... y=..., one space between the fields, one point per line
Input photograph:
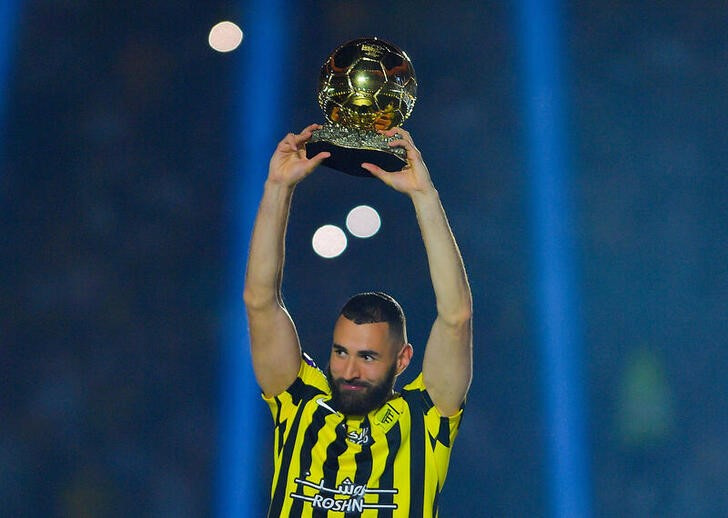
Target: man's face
x=363 y=366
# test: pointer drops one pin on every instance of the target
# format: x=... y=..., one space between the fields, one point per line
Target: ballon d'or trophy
x=365 y=85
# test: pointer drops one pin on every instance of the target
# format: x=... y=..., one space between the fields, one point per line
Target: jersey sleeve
x=442 y=429
x=309 y=383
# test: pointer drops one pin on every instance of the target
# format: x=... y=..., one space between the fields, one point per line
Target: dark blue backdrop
x=114 y=206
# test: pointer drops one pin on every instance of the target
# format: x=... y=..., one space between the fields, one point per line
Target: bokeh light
x=363 y=221
x=225 y=37
x=329 y=241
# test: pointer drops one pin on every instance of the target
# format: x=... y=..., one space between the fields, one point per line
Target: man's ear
x=404 y=356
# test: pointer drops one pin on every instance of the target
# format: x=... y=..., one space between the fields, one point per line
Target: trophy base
x=349 y=147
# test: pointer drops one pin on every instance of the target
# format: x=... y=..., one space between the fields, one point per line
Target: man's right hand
x=289 y=164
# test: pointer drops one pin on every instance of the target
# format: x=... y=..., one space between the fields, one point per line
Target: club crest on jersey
x=387 y=416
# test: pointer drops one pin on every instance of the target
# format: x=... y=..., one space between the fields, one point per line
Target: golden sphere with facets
x=369 y=84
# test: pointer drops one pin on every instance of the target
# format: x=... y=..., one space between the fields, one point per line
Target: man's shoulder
x=415 y=393
x=416 y=384
x=312 y=377
x=308 y=360
x=309 y=383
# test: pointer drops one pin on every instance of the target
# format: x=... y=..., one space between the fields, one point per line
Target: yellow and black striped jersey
x=390 y=463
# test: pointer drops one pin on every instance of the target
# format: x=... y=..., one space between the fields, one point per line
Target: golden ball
x=367 y=83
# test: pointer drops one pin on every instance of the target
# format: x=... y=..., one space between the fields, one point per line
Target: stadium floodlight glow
x=9 y=15
x=557 y=321
x=363 y=221
x=329 y=241
x=239 y=490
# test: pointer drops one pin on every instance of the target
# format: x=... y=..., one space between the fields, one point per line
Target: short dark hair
x=376 y=306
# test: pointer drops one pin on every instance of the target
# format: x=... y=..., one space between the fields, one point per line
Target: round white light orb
x=329 y=241
x=225 y=37
x=363 y=221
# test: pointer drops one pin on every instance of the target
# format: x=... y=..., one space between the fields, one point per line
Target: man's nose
x=351 y=369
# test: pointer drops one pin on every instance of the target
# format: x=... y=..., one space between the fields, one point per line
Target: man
x=345 y=443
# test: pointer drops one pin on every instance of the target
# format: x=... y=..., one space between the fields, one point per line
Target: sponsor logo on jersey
x=360 y=437
x=347 y=497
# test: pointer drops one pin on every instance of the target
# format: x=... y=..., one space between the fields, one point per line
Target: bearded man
x=346 y=444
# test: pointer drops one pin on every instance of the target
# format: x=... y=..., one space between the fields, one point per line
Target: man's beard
x=361 y=402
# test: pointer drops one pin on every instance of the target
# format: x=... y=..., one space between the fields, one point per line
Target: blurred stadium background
x=118 y=166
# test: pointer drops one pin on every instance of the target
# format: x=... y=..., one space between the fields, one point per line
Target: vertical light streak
x=9 y=16
x=558 y=322
x=257 y=101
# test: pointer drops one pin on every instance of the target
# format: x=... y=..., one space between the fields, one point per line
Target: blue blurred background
x=118 y=171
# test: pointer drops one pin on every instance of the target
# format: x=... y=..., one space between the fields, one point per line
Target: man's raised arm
x=274 y=344
x=447 y=366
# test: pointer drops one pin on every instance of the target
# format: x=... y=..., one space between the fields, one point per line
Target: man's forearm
x=449 y=280
x=267 y=246
x=447 y=361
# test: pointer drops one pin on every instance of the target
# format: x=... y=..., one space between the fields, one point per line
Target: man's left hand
x=414 y=178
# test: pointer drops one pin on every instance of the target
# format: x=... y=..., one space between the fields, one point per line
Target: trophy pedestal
x=349 y=147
